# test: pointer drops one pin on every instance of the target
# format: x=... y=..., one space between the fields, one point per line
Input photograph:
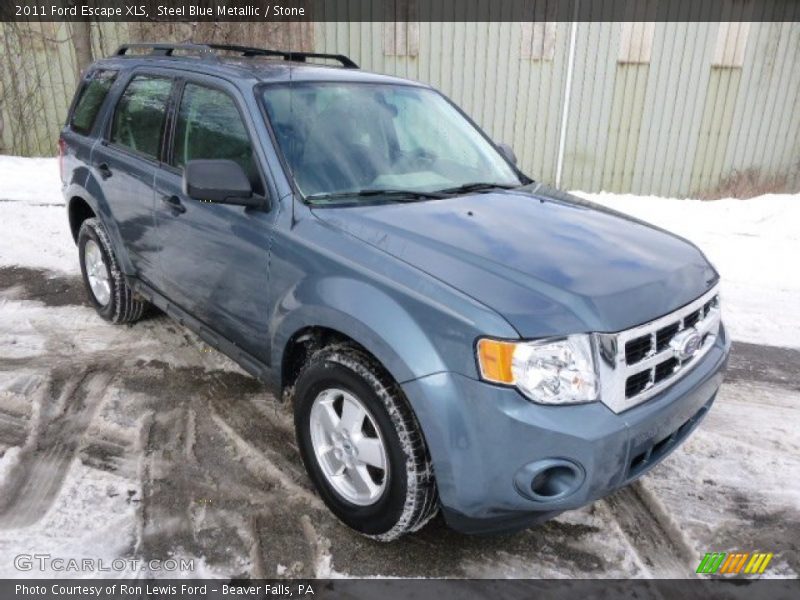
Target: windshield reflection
x=358 y=140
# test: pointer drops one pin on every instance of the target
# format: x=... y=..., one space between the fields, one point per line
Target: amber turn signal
x=494 y=359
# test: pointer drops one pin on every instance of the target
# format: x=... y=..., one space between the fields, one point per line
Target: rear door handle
x=174 y=203
x=105 y=171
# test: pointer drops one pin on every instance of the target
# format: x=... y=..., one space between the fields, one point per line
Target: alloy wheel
x=97 y=272
x=348 y=446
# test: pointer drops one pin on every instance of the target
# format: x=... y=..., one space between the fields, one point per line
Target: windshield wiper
x=398 y=195
x=478 y=186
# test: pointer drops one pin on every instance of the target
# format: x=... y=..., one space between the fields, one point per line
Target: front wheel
x=362 y=445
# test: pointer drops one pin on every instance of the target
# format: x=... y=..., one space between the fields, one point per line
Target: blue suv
x=451 y=334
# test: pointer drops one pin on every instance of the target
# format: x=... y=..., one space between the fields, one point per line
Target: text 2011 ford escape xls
x=451 y=333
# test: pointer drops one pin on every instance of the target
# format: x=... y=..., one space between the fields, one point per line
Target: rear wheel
x=106 y=287
x=362 y=445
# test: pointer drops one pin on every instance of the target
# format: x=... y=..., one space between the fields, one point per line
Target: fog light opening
x=549 y=480
x=554 y=481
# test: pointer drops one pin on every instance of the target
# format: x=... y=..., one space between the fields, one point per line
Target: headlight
x=550 y=372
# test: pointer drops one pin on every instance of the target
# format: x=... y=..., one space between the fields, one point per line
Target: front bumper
x=485 y=440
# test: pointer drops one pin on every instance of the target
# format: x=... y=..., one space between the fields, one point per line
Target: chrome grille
x=637 y=363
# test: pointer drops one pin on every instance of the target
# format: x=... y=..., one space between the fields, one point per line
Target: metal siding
x=786 y=98
x=675 y=126
x=770 y=160
x=580 y=161
x=659 y=157
x=6 y=138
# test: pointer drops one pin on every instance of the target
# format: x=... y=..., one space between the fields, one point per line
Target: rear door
x=126 y=161
x=214 y=258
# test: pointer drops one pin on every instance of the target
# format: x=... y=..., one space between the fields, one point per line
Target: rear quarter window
x=91 y=98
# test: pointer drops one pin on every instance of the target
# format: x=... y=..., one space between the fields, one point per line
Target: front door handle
x=105 y=170
x=174 y=203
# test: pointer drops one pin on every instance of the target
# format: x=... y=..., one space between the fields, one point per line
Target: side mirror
x=506 y=151
x=222 y=181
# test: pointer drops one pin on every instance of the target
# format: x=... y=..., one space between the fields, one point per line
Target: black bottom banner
x=390 y=589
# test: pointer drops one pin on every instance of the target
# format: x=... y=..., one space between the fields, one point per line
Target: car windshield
x=358 y=142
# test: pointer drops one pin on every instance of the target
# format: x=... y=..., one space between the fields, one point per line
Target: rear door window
x=139 y=118
x=91 y=98
x=209 y=126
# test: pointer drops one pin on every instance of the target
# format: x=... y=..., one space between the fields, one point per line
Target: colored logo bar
x=735 y=563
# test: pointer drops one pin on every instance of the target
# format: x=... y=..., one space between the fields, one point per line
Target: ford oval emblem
x=686 y=343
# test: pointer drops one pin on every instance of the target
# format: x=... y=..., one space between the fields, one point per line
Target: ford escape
x=451 y=334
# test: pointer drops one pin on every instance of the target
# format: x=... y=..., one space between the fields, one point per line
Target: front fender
x=368 y=315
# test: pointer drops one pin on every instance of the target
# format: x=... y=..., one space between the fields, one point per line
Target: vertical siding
x=676 y=125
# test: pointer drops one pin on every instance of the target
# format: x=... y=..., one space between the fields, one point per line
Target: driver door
x=214 y=257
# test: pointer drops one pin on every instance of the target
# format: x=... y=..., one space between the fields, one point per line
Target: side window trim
x=179 y=90
x=109 y=125
x=167 y=147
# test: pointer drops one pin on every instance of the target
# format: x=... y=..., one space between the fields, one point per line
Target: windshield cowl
x=404 y=195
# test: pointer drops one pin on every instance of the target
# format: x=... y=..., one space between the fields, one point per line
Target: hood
x=548 y=262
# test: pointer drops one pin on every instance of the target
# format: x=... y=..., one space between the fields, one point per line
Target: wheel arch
x=87 y=201
x=348 y=310
x=78 y=210
x=304 y=342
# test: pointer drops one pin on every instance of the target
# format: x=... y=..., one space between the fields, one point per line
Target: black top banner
x=399 y=10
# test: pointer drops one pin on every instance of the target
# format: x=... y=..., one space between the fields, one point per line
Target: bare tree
x=82 y=43
x=2 y=121
x=22 y=93
x=281 y=35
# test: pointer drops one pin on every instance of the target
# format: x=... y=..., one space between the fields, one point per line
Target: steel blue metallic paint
x=548 y=266
x=413 y=323
x=416 y=285
x=481 y=435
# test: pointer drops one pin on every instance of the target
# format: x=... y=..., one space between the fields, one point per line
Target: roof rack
x=208 y=51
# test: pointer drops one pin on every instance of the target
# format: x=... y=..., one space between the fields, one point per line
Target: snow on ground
x=140 y=443
x=26 y=228
x=728 y=473
x=94 y=513
x=8 y=463
x=753 y=243
x=30 y=180
x=33 y=210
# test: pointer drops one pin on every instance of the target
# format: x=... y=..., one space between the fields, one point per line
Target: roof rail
x=247 y=51
x=208 y=51
x=165 y=49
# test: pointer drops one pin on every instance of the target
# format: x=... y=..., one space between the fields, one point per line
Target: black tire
x=123 y=305
x=409 y=499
